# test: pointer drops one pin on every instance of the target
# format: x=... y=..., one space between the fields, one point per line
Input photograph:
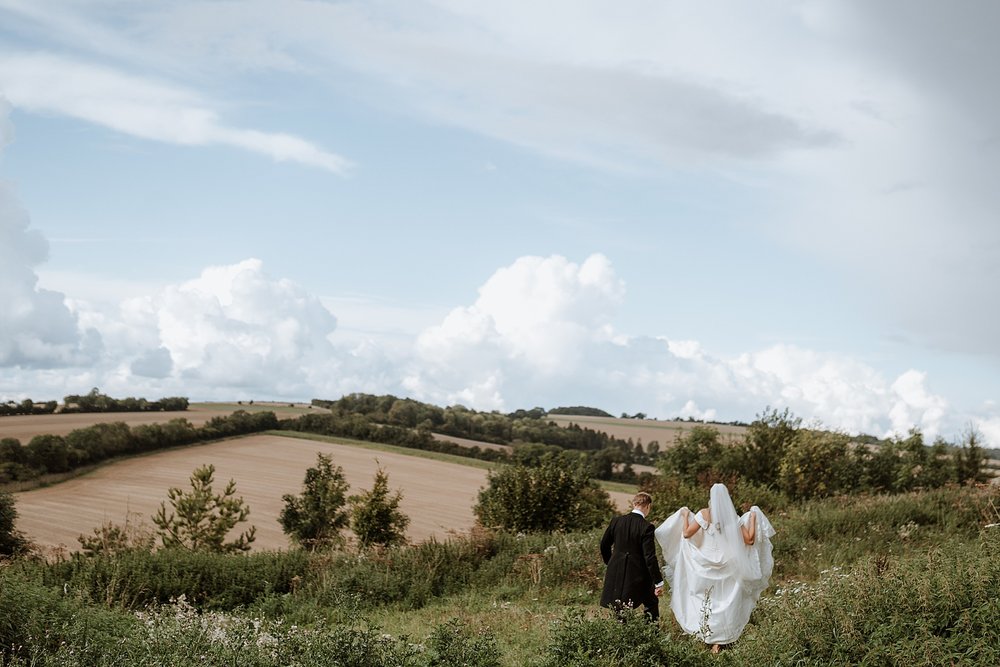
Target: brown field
x=25 y=427
x=465 y=442
x=438 y=496
x=648 y=430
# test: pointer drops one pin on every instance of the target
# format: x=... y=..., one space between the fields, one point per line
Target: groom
x=629 y=552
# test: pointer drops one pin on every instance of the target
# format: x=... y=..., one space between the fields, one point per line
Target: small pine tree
x=316 y=518
x=970 y=459
x=200 y=520
x=375 y=516
x=12 y=541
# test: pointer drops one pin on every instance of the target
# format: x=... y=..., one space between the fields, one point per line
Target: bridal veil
x=715 y=578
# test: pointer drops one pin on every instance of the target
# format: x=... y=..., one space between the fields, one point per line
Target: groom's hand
x=658 y=591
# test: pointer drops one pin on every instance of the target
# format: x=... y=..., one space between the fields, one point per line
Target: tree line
x=86 y=446
x=94 y=401
x=779 y=456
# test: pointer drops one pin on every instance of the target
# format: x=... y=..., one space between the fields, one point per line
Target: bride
x=718 y=563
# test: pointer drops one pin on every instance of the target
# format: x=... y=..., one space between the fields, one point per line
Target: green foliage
x=95 y=401
x=970 y=458
x=375 y=516
x=48 y=453
x=200 y=519
x=111 y=538
x=555 y=495
x=699 y=457
x=632 y=641
x=12 y=541
x=316 y=517
x=931 y=608
x=900 y=579
x=93 y=444
x=135 y=579
x=581 y=411
x=453 y=643
x=28 y=407
x=765 y=444
x=816 y=464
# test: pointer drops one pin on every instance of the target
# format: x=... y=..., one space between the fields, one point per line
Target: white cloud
x=538 y=317
x=141 y=107
x=231 y=327
x=541 y=333
x=37 y=329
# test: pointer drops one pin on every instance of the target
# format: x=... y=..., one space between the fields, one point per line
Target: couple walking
x=717 y=564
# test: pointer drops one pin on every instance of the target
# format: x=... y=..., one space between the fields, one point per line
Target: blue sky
x=678 y=209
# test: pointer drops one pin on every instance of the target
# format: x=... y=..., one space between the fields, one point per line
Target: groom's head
x=642 y=502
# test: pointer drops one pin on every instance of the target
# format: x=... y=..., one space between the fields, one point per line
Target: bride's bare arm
x=749 y=530
x=690 y=528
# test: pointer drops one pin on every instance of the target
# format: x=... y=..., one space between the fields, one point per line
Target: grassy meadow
x=862 y=578
x=880 y=580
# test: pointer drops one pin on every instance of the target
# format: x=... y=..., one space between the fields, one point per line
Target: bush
x=134 y=579
x=633 y=641
x=553 y=496
x=453 y=643
x=201 y=520
x=817 y=464
x=933 y=608
x=316 y=517
x=375 y=515
x=12 y=541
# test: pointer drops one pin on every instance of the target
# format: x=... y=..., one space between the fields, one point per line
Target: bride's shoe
x=715 y=649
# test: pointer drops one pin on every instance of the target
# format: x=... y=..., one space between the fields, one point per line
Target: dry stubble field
x=438 y=496
x=664 y=432
x=25 y=427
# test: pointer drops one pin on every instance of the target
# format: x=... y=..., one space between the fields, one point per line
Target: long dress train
x=711 y=595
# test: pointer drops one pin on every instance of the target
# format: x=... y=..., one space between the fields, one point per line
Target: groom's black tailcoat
x=629 y=552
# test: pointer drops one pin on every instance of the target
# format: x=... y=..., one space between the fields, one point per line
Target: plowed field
x=437 y=496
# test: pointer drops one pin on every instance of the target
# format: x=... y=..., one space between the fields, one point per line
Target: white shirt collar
x=639 y=512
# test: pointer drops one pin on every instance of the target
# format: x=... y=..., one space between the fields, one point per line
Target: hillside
x=647 y=430
x=438 y=493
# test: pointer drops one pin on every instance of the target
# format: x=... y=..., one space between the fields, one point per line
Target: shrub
x=316 y=517
x=134 y=579
x=201 y=520
x=602 y=641
x=453 y=643
x=933 y=608
x=111 y=538
x=816 y=464
x=12 y=541
x=552 y=496
x=375 y=515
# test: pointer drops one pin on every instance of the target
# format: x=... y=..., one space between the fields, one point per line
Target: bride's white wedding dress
x=714 y=582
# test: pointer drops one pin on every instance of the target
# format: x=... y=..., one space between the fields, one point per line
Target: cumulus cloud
x=47 y=83
x=232 y=328
x=541 y=333
x=536 y=316
x=37 y=328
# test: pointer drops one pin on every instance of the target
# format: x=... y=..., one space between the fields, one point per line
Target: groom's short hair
x=642 y=499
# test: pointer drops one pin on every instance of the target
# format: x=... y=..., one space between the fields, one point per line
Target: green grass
x=909 y=579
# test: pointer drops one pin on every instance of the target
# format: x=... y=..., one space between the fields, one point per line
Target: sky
x=682 y=209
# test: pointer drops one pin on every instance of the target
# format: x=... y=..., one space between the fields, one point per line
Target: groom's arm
x=649 y=555
x=608 y=540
